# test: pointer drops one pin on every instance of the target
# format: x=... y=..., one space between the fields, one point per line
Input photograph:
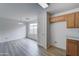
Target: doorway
x=32 y=31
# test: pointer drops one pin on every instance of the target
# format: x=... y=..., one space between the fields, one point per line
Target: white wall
x=58 y=34
x=11 y=30
x=42 y=29
x=15 y=34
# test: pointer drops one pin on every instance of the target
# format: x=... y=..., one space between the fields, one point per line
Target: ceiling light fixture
x=43 y=5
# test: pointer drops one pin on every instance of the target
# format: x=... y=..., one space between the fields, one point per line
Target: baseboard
x=60 y=48
x=10 y=40
x=51 y=45
x=31 y=38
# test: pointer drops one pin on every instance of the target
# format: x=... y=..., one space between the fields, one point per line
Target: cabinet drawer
x=72 y=41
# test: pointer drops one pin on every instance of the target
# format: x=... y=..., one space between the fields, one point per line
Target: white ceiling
x=55 y=8
x=10 y=13
x=19 y=11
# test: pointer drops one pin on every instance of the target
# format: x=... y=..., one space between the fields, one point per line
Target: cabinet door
x=78 y=47
x=71 y=47
x=52 y=19
x=77 y=20
x=59 y=19
x=70 y=20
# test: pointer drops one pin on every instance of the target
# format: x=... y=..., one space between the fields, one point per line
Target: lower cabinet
x=72 y=48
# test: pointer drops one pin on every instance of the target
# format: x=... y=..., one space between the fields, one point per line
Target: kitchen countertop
x=73 y=37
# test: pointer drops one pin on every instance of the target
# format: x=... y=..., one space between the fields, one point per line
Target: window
x=33 y=28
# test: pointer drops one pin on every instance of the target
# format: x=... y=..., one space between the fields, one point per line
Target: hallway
x=26 y=47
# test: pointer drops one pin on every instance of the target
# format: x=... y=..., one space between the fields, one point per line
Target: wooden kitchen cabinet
x=72 y=47
x=52 y=19
x=78 y=47
x=77 y=20
x=60 y=19
x=70 y=20
x=57 y=19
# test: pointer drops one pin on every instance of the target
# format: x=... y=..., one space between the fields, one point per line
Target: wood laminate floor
x=27 y=47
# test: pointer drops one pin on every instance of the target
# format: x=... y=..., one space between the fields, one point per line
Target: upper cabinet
x=77 y=20
x=57 y=19
x=70 y=20
x=52 y=19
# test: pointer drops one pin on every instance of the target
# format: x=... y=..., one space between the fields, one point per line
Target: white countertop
x=73 y=33
x=73 y=37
